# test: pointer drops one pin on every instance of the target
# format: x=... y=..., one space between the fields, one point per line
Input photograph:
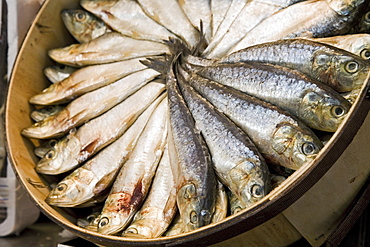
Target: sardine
x=82 y=25
x=176 y=227
x=46 y=111
x=159 y=208
x=335 y=67
x=56 y=73
x=89 y=105
x=279 y=136
x=358 y=44
x=312 y=18
x=197 y=12
x=222 y=202
x=44 y=147
x=108 y=48
x=97 y=174
x=236 y=160
x=233 y=11
x=314 y=103
x=169 y=14
x=133 y=181
x=235 y=204
x=127 y=17
x=85 y=80
x=80 y=144
x=253 y=12
x=219 y=9
x=191 y=162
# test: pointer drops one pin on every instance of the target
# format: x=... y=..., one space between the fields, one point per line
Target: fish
x=176 y=227
x=280 y=137
x=200 y=15
x=222 y=201
x=134 y=179
x=315 y=104
x=108 y=48
x=59 y=72
x=219 y=9
x=127 y=18
x=46 y=111
x=82 y=143
x=236 y=160
x=341 y=70
x=97 y=174
x=311 y=18
x=44 y=147
x=86 y=80
x=253 y=12
x=89 y=105
x=164 y=11
x=235 y=204
x=190 y=161
x=358 y=44
x=82 y=25
x=159 y=207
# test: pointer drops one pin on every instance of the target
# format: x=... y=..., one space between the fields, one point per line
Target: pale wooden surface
x=316 y=214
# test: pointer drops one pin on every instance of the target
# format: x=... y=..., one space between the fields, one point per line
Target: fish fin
x=105 y=182
x=202 y=43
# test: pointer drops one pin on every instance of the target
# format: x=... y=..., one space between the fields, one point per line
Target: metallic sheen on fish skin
x=56 y=73
x=191 y=162
x=134 y=179
x=335 y=67
x=314 y=103
x=82 y=25
x=80 y=144
x=237 y=162
x=280 y=137
x=97 y=174
x=46 y=111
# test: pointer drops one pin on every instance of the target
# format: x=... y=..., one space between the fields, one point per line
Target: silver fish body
x=108 y=48
x=280 y=137
x=133 y=181
x=312 y=18
x=89 y=105
x=80 y=144
x=56 y=73
x=97 y=174
x=335 y=67
x=82 y=25
x=127 y=17
x=191 y=162
x=314 y=103
x=237 y=162
x=159 y=207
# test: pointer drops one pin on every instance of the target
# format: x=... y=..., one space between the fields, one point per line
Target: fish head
x=47 y=111
x=41 y=129
x=251 y=180
x=296 y=145
x=323 y=110
x=196 y=210
x=62 y=157
x=145 y=228
x=342 y=71
x=345 y=7
x=74 y=190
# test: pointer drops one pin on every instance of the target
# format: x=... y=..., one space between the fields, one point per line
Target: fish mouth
x=38 y=132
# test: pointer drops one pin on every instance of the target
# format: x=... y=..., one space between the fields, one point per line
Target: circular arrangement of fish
x=166 y=116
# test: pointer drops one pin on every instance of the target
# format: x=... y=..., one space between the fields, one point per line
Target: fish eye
x=49 y=108
x=337 y=111
x=90 y=218
x=367 y=17
x=62 y=66
x=52 y=143
x=257 y=190
x=352 y=67
x=103 y=221
x=49 y=155
x=80 y=16
x=365 y=54
x=193 y=217
x=308 y=148
x=61 y=187
x=132 y=230
x=237 y=209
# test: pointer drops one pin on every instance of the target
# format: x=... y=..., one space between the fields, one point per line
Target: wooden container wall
x=308 y=204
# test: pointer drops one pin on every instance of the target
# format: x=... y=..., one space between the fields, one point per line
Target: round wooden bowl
x=47 y=32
